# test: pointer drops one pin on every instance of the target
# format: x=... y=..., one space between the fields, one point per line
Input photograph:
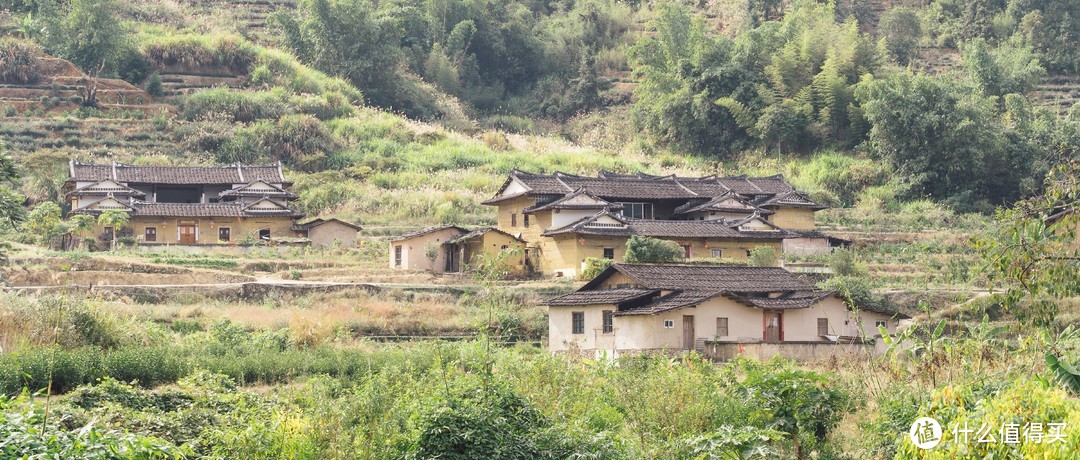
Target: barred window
x=578 y=319
x=823 y=326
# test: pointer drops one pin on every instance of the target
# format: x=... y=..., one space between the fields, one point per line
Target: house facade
x=450 y=249
x=187 y=205
x=641 y=307
x=329 y=232
x=566 y=218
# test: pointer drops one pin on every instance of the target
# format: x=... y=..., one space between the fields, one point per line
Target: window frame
x=608 y=321
x=525 y=220
x=881 y=322
x=610 y=251
x=150 y=234
x=637 y=210
x=823 y=326
x=577 y=322
x=669 y=324
x=267 y=230
x=398 y=250
x=513 y=219
x=722 y=326
x=716 y=253
x=226 y=232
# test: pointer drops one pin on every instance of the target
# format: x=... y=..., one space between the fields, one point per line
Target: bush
x=842 y=263
x=237 y=106
x=594 y=266
x=153 y=86
x=762 y=256
x=643 y=249
x=20 y=61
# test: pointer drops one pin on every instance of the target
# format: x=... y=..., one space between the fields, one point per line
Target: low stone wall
x=799 y=351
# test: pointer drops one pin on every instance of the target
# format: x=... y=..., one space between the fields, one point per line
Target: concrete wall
x=560 y=329
x=413 y=255
x=493 y=242
x=805 y=352
x=745 y=325
x=208 y=228
x=326 y=234
x=793 y=218
x=806 y=246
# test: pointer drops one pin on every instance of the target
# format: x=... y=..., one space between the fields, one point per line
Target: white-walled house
x=643 y=307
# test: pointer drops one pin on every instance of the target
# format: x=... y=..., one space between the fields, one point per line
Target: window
x=717 y=253
x=823 y=326
x=525 y=220
x=609 y=321
x=669 y=323
x=224 y=234
x=397 y=255
x=686 y=250
x=879 y=323
x=637 y=210
x=513 y=219
x=622 y=286
x=609 y=253
x=578 y=319
x=264 y=233
x=721 y=326
x=150 y=234
x=747 y=253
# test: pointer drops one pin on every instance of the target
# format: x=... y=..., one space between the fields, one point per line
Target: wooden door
x=774 y=326
x=688 y=335
x=187 y=233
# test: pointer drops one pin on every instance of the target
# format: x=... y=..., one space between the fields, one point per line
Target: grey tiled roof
x=479 y=232
x=426 y=230
x=790 y=199
x=89 y=190
x=177 y=175
x=205 y=210
x=562 y=203
x=643 y=186
x=603 y=296
x=317 y=222
x=709 y=278
x=275 y=192
x=673 y=301
x=668 y=229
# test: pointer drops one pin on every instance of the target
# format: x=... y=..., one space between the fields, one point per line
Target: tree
x=1032 y=248
x=11 y=203
x=346 y=38
x=113 y=218
x=1012 y=67
x=945 y=137
x=91 y=36
x=901 y=31
x=643 y=249
x=44 y=223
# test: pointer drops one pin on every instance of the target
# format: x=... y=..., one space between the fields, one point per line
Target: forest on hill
x=951 y=102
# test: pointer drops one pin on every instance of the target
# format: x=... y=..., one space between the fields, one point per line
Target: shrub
x=842 y=263
x=594 y=266
x=644 y=249
x=153 y=86
x=20 y=61
x=762 y=256
x=237 y=106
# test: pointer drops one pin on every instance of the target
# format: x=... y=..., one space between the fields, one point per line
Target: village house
x=565 y=219
x=643 y=308
x=450 y=249
x=194 y=205
x=329 y=232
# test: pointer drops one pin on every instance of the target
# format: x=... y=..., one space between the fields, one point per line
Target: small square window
x=609 y=321
x=717 y=253
x=669 y=323
x=578 y=322
x=150 y=234
x=264 y=233
x=878 y=324
x=721 y=326
x=609 y=253
x=224 y=234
